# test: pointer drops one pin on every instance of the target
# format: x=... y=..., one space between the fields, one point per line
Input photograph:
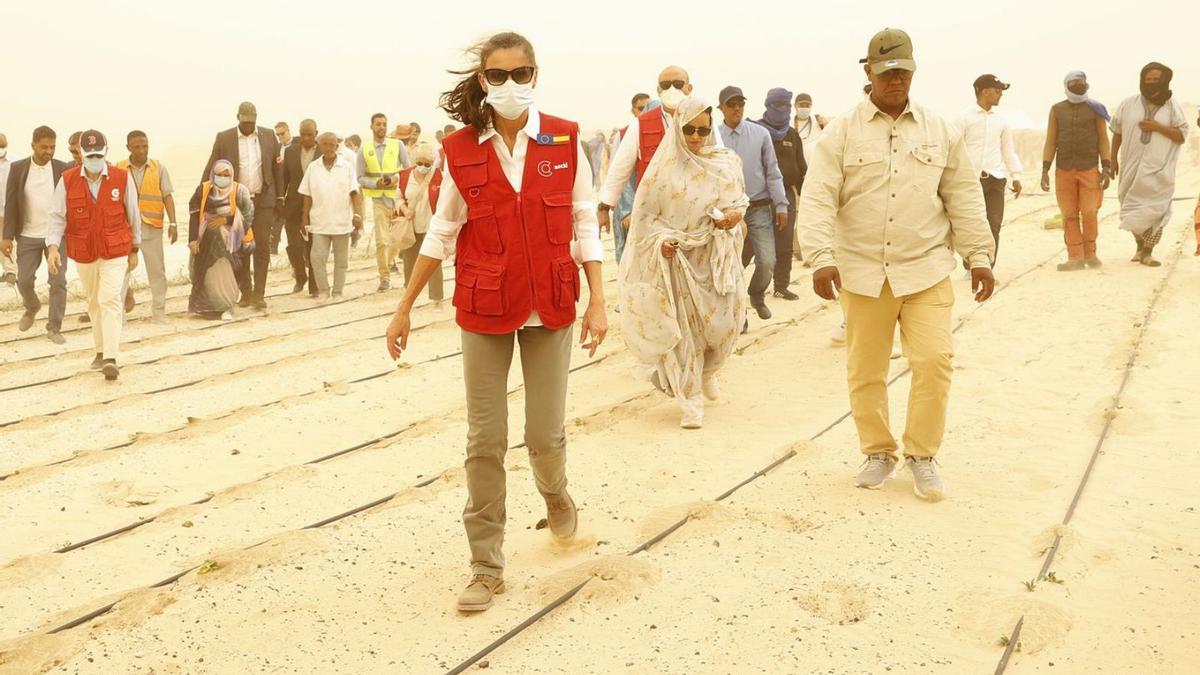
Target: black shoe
x=1070 y=266
x=97 y=363
x=1092 y=261
x=110 y=369
x=763 y=312
x=384 y=284
x=26 y=321
x=785 y=294
x=130 y=301
x=56 y=337
x=299 y=286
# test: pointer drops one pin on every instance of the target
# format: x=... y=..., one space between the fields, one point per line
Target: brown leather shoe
x=477 y=596
x=560 y=514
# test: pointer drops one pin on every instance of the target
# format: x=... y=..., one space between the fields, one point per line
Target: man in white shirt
x=674 y=85
x=990 y=146
x=29 y=193
x=332 y=208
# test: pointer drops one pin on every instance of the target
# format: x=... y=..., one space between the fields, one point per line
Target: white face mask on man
x=671 y=98
x=510 y=100
x=3 y=153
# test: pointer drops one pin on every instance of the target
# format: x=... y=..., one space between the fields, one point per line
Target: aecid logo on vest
x=545 y=169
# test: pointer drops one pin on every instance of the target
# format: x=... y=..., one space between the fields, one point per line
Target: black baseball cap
x=729 y=93
x=92 y=142
x=989 y=81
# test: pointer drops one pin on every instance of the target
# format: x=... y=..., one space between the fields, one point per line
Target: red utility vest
x=651 y=130
x=514 y=252
x=435 y=186
x=97 y=227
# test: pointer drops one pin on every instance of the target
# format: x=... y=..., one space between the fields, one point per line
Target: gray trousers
x=156 y=269
x=409 y=256
x=321 y=244
x=30 y=252
x=545 y=361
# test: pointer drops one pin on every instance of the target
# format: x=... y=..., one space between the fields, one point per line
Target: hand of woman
x=397 y=332
x=730 y=221
x=669 y=249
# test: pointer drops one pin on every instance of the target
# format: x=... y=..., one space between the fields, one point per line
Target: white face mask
x=803 y=113
x=94 y=164
x=510 y=100
x=423 y=169
x=222 y=181
x=3 y=153
x=671 y=98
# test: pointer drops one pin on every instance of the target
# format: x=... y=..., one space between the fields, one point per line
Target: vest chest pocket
x=479 y=289
x=483 y=227
x=558 y=206
x=566 y=282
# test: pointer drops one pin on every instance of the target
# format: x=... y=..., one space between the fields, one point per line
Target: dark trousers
x=257 y=263
x=993 y=200
x=783 y=245
x=299 y=252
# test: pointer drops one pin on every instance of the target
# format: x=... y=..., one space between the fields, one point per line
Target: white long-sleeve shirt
x=628 y=154
x=451 y=213
x=989 y=143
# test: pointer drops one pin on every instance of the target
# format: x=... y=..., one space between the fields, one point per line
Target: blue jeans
x=760 y=245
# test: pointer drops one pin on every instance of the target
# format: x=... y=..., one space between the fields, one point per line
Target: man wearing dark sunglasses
x=648 y=129
x=768 y=210
x=890 y=192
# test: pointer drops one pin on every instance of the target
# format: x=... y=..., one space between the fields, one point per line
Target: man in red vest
x=648 y=130
x=95 y=211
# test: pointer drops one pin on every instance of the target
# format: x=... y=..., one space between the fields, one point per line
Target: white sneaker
x=839 y=335
x=227 y=315
x=710 y=388
x=693 y=413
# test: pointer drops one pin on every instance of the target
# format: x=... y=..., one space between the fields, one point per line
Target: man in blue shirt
x=768 y=210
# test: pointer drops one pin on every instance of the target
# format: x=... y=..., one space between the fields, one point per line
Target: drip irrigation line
x=674 y=527
x=318 y=524
x=1095 y=456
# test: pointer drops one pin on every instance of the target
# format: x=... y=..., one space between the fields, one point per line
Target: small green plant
x=1030 y=585
x=1053 y=578
x=209 y=566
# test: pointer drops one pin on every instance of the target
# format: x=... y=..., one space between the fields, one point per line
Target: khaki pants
x=410 y=255
x=545 y=360
x=925 y=335
x=156 y=270
x=381 y=216
x=103 y=283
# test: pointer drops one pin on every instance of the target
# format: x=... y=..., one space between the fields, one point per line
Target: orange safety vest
x=233 y=192
x=150 y=196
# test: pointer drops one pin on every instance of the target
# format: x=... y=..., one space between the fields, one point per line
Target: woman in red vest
x=419 y=189
x=516 y=211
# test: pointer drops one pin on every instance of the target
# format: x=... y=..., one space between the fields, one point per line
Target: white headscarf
x=681 y=316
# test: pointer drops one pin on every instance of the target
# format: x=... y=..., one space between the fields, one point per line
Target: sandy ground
x=215 y=450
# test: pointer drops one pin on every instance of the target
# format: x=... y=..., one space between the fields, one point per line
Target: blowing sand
x=223 y=443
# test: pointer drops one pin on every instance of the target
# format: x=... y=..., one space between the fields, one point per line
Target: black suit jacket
x=14 y=205
x=293 y=172
x=225 y=146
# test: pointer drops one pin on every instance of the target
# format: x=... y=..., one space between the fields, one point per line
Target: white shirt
x=332 y=212
x=623 y=163
x=451 y=212
x=989 y=143
x=250 y=162
x=39 y=195
x=809 y=130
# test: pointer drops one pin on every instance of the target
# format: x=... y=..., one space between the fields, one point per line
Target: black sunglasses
x=667 y=84
x=498 y=76
x=702 y=132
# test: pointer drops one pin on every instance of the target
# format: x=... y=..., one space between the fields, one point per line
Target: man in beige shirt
x=890 y=195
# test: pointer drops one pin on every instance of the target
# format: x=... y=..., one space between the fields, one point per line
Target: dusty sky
x=178 y=72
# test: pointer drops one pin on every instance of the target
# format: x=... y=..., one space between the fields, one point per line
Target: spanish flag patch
x=550 y=139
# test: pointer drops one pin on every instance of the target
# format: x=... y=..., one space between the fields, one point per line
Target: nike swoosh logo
x=883 y=51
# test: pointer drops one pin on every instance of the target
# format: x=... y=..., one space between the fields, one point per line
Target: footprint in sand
x=611 y=579
x=838 y=602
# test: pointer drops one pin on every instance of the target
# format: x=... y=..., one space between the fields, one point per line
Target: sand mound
x=611 y=579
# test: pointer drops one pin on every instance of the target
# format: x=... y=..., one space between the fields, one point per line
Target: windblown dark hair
x=465 y=102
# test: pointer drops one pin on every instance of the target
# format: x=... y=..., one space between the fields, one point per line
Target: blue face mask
x=777 y=117
x=222 y=181
x=94 y=164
